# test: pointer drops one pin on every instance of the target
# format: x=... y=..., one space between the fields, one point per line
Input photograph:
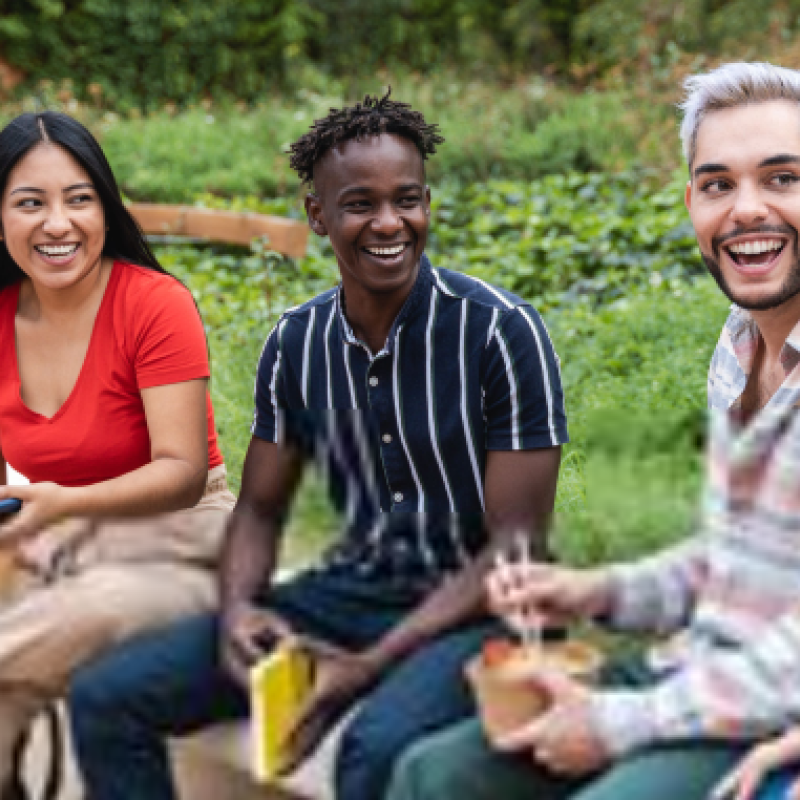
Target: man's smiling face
x=371 y=200
x=744 y=201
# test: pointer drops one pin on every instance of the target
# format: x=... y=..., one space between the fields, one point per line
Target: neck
x=372 y=315
x=775 y=325
x=62 y=304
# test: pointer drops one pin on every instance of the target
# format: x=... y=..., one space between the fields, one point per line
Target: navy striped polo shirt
x=466 y=368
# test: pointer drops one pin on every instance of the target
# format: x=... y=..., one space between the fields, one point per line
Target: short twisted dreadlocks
x=370 y=118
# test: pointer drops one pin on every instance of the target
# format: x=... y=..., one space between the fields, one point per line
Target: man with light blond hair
x=671 y=724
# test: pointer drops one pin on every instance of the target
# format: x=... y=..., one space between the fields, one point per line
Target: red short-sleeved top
x=147 y=333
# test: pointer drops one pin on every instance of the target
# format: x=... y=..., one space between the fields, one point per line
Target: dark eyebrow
x=34 y=190
x=772 y=161
x=354 y=190
x=703 y=169
x=777 y=161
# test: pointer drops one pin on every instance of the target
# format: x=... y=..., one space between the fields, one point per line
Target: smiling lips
x=386 y=252
x=759 y=253
x=57 y=253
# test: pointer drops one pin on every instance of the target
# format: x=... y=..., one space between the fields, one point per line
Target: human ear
x=687 y=196
x=315 y=215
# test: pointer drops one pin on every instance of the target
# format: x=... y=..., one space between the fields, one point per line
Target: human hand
x=341 y=677
x=563 y=738
x=42 y=504
x=743 y=782
x=247 y=633
x=547 y=593
x=45 y=553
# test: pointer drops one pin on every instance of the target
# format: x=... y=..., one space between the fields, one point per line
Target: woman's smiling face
x=52 y=218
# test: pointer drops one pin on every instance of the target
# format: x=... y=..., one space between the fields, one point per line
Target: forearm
x=457 y=601
x=166 y=484
x=739 y=694
x=249 y=556
x=656 y=594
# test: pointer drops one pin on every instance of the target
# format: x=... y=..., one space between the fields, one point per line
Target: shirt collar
x=744 y=334
x=414 y=303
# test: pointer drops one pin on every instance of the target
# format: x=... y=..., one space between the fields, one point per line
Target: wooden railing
x=286 y=236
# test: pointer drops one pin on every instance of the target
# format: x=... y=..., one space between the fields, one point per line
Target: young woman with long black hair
x=104 y=406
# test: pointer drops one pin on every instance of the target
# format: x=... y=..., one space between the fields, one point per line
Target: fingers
x=524 y=738
x=744 y=781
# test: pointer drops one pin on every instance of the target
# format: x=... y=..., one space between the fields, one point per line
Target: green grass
x=634 y=373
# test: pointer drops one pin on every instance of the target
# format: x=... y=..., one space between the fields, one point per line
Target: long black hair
x=124 y=238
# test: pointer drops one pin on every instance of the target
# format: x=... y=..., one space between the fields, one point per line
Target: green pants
x=459 y=764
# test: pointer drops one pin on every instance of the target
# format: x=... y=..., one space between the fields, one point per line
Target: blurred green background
x=561 y=178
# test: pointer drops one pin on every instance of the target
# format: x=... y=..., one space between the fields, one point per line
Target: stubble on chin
x=790 y=287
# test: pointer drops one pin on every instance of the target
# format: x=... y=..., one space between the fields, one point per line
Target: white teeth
x=57 y=250
x=755 y=248
x=386 y=251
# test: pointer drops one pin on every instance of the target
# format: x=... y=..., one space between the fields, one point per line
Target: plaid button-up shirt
x=730 y=595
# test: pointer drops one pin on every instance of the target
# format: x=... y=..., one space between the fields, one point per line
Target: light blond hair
x=731 y=85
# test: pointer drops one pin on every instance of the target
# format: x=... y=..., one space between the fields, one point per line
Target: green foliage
x=633 y=368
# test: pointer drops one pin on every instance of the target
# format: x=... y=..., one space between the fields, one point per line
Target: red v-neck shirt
x=147 y=333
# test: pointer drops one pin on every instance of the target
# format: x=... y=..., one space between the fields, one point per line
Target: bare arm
x=520 y=495
x=174 y=479
x=250 y=556
x=269 y=480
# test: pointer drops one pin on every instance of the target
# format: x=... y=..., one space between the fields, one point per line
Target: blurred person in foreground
x=433 y=403
x=104 y=407
x=670 y=724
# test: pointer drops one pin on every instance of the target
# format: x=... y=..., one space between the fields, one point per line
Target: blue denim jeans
x=777 y=786
x=171 y=683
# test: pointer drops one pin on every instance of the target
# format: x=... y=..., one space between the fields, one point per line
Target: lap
x=688 y=771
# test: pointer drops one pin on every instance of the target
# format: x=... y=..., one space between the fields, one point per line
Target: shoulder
x=144 y=295
x=296 y=322
x=467 y=287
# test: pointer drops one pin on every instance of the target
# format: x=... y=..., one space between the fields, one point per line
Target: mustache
x=786 y=230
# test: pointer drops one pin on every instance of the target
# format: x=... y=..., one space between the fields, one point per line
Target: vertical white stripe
x=462 y=361
x=514 y=390
x=345 y=468
x=431 y=398
x=306 y=352
x=504 y=300
x=424 y=546
x=548 y=393
x=349 y=372
x=397 y=411
x=441 y=285
x=492 y=325
x=273 y=383
x=368 y=466
x=326 y=348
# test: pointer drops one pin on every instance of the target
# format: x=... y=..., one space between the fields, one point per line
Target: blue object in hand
x=10 y=506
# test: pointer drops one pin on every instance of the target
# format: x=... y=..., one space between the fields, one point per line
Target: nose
x=387 y=220
x=748 y=206
x=57 y=222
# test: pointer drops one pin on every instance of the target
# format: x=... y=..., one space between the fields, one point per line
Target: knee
x=95 y=702
x=365 y=758
x=426 y=771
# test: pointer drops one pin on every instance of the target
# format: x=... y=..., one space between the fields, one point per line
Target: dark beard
x=790 y=288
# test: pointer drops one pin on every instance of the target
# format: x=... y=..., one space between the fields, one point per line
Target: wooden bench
x=286 y=236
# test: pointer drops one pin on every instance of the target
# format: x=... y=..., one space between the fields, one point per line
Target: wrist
x=600 y=595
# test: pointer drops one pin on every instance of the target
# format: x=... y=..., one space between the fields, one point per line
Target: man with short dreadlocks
x=432 y=402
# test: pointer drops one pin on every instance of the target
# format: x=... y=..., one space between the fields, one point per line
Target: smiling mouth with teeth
x=754 y=254
x=56 y=251
x=386 y=252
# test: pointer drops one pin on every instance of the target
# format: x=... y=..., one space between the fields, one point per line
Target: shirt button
x=398 y=497
x=373 y=381
x=387 y=438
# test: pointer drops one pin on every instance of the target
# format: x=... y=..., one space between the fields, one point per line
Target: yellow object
x=279 y=685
